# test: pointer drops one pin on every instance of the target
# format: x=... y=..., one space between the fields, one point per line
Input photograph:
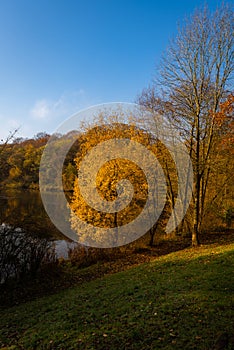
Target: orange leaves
x=224 y=120
x=226 y=111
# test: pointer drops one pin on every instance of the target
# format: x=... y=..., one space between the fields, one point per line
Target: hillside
x=178 y=301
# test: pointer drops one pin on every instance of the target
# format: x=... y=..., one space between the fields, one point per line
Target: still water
x=25 y=209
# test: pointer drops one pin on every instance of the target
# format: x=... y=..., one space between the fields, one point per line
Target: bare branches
x=9 y=138
x=195 y=73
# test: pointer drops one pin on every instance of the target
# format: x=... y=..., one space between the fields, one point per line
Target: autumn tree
x=109 y=176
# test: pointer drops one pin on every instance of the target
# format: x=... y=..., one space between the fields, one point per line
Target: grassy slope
x=179 y=301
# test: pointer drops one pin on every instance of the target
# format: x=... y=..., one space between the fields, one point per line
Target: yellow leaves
x=106 y=177
x=109 y=176
x=15 y=172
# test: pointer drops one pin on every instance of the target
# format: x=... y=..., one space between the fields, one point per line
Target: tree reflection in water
x=25 y=209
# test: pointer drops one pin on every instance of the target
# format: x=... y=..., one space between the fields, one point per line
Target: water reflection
x=25 y=209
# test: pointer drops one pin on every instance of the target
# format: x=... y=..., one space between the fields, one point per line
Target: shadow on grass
x=62 y=276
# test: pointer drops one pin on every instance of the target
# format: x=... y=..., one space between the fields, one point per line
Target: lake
x=25 y=209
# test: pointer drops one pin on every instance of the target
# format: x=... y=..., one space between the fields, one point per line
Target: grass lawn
x=182 y=300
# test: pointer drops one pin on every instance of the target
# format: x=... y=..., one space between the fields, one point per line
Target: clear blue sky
x=58 y=57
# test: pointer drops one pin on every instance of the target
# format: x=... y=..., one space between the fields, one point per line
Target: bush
x=22 y=254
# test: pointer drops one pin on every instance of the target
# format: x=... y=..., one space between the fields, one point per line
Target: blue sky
x=58 y=57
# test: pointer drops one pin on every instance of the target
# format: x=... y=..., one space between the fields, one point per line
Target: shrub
x=21 y=254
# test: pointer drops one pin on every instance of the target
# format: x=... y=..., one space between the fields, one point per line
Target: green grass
x=179 y=301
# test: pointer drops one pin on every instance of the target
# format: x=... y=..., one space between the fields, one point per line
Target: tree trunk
x=116 y=228
x=151 y=242
x=195 y=237
x=195 y=234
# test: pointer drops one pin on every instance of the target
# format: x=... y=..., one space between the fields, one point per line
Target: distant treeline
x=20 y=163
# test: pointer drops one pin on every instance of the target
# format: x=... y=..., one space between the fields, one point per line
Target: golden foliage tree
x=111 y=173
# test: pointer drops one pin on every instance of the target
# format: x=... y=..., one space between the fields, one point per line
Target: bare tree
x=10 y=137
x=195 y=74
